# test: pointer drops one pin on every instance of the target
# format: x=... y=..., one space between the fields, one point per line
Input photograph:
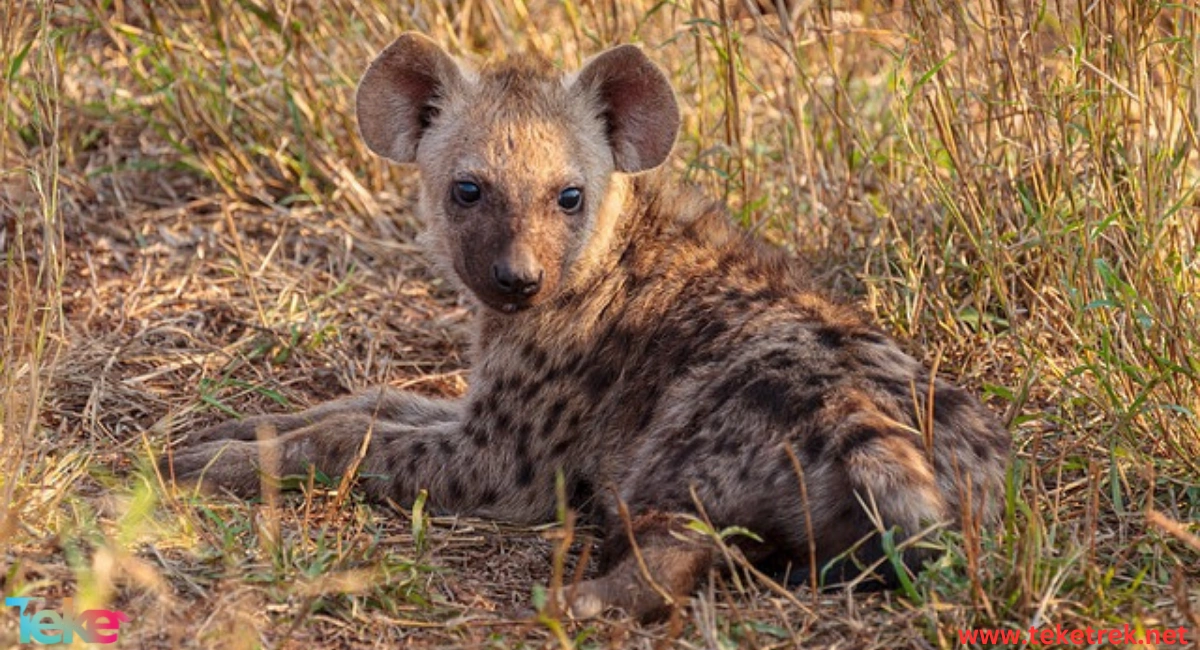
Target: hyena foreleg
x=398 y=444
x=382 y=404
x=654 y=562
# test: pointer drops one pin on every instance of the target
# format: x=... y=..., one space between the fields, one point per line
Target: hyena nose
x=523 y=281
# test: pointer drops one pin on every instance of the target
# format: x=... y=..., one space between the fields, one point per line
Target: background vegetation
x=189 y=228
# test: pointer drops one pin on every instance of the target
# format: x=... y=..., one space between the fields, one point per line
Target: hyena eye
x=570 y=199
x=466 y=193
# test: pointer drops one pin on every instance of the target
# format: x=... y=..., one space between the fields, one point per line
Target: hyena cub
x=629 y=338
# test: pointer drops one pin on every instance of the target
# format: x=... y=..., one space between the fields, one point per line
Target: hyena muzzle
x=629 y=339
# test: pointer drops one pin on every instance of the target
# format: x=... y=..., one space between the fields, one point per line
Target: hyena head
x=519 y=164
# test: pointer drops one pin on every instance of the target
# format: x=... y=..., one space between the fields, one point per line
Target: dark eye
x=466 y=193
x=570 y=199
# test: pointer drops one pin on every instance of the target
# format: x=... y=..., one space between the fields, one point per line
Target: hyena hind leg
x=383 y=404
x=884 y=485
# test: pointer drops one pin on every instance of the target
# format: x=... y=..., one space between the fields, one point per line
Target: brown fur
x=666 y=356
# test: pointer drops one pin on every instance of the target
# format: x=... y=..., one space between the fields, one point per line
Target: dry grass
x=189 y=227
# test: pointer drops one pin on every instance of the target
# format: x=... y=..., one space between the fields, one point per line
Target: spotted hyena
x=630 y=339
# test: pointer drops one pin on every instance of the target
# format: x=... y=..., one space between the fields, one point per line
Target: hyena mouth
x=507 y=304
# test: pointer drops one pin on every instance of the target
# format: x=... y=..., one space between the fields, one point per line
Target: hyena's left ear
x=637 y=103
x=400 y=94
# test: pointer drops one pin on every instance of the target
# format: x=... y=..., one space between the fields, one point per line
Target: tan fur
x=664 y=357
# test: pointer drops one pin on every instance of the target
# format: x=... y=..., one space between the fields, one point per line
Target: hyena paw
x=582 y=601
x=592 y=598
x=218 y=465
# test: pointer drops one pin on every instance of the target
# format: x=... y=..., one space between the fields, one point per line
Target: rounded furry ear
x=400 y=94
x=636 y=103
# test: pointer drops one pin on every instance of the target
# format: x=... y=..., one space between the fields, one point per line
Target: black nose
x=523 y=282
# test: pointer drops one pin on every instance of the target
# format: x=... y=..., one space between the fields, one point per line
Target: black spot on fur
x=552 y=375
x=556 y=409
x=682 y=348
x=769 y=395
x=680 y=357
x=573 y=423
x=502 y=385
x=829 y=336
x=455 y=490
x=488 y=496
x=775 y=360
x=523 y=440
x=525 y=473
x=477 y=434
x=446 y=447
x=620 y=339
x=503 y=423
x=552 y=418
x=818 y=379
x=712 y=329
x=571 y=365
x=580 y=490
x=530 y=391
x=814 y=445
x=561 y=447
x=807 y=404
x=535 y=355
x=491 y=403
x=548 y=428
x=599 y=379
x=858 y=437
x=766 y=294
x=731 y=386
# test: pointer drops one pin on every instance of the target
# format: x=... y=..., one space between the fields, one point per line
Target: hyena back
x=629 y=338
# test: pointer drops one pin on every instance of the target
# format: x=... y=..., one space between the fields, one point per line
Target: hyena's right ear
x=400 y=92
